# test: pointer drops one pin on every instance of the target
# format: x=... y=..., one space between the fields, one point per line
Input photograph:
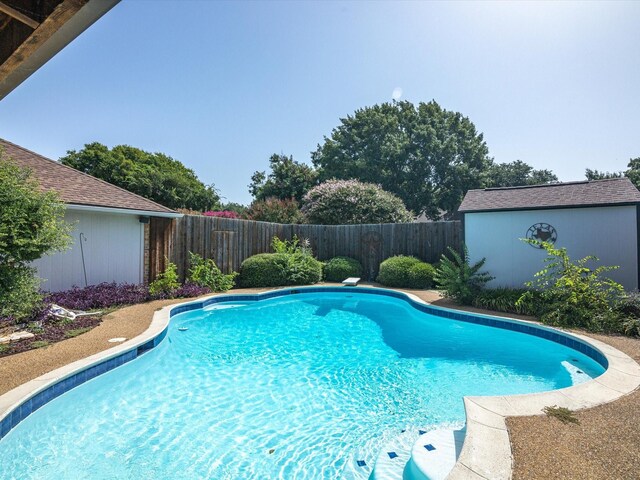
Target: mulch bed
x=52 y=331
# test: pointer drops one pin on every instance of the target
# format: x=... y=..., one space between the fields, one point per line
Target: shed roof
x=77 y=188
x=610 y=192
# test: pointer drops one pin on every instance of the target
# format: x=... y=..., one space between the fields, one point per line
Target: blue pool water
x=294 y=387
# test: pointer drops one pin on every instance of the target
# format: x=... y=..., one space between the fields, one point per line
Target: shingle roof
x=613 y=191
x=75 y=187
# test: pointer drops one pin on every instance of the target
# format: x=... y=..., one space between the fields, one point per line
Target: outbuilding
x=598 y=218
x=114 y=230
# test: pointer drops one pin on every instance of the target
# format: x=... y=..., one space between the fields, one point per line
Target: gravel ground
x=605 y=445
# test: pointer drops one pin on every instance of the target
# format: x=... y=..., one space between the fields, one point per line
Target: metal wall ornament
x=542 y=232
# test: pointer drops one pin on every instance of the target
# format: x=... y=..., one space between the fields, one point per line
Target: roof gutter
x=126 y=211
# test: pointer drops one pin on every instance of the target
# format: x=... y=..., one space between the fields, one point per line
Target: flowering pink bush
x=221 y=214
x=350 y=202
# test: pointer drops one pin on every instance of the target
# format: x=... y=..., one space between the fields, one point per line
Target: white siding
x=609 y=233
x=113 y=251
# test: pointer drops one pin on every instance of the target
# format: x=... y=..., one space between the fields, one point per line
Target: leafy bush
x=19 y=292
x=350 y=202
x=505 y=300
x=460 y=280
x=291 y=264
x=264 y=270
x=275 y=211
x=206 y=273
x=166 y=282
x=189 y=290
x=405 y=272
x=421 y=275
x=303 y=270
x=339 y=268
x=287 y=246
x=574 y=295
x=31 y=225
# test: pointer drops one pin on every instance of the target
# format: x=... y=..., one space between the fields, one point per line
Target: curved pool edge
x=486 y=452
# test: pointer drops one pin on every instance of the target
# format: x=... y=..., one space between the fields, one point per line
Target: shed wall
x=609 y=233
x=113 y=252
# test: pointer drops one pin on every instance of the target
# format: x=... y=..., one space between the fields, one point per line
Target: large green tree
x=155 y=176
x=426 y=155
x=515 y=174
x=31 y=225
x=287 y=179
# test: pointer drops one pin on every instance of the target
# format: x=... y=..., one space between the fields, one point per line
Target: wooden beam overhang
x=28 y=42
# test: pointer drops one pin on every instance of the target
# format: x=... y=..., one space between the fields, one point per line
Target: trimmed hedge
x=339 y=268
x=264 y=270
x=404 y=271
x=421 y=276
x=280 y=269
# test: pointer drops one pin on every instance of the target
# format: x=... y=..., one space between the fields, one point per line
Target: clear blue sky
x=221 y=86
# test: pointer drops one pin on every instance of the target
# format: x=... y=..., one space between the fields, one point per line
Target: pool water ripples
x=291 y=387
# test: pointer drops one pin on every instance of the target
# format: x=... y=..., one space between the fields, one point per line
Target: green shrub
x=264 y=270
x=286 y=246
x=303 y=270
x=31 y=225
x=206 y=273
x=458 y=279
x=19 y=292
x=339 y=268
x=404 y=271
x=421 y=276
x=291 y=264
x=574 y=295
x=393 y=270
x=504 y=300
x=166 y=282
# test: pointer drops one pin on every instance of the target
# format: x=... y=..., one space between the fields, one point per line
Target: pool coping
x=486 y=453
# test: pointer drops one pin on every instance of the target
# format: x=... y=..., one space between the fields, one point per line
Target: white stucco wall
x=113 y=251
x=607 y=232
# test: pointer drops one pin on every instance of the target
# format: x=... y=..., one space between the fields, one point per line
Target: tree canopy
x=517 y=173
x=155 y=176
x=350 y=202
x=287 y=179
x=424 y=154
x=632 y=173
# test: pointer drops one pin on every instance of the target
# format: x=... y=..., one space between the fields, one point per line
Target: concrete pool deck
x=535 y=455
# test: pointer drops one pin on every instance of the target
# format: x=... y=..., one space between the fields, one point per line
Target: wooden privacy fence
x=228 y=241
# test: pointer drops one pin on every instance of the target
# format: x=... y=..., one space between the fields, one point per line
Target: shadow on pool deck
x=605 y=445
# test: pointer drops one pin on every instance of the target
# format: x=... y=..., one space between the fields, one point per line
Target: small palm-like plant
x=460 y=280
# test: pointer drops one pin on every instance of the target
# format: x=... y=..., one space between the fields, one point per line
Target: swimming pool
x=303 y=386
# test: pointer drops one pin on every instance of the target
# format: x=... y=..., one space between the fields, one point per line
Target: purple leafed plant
x=103 y=295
